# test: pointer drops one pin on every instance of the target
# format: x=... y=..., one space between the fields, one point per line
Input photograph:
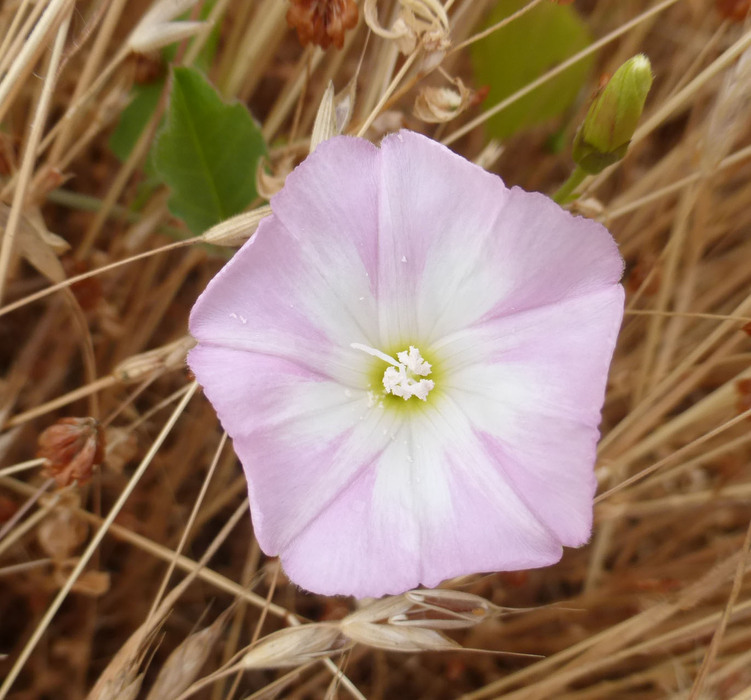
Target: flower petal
x=301 y=288
x=475 y=249
x=436 y=212
x=430 y=507
x=300 y=437
x=541 y=254
x=533 y=384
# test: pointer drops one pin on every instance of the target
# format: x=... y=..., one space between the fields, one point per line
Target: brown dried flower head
x=71 y=448
x=322 y=22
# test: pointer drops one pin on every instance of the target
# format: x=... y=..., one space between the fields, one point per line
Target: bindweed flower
x=411 y=360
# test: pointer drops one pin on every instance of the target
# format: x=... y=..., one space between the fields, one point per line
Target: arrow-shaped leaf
x=207 y=153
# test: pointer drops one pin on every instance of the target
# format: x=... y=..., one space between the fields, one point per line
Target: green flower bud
x=606 y=132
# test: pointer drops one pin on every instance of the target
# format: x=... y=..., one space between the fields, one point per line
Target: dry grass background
x=156 y=553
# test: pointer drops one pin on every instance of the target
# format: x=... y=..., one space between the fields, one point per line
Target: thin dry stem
x=27 y=164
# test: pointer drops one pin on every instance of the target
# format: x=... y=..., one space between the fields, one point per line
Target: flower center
x=404 y=376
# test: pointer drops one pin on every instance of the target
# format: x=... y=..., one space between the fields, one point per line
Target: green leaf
x=522 y=51
x=207 y=153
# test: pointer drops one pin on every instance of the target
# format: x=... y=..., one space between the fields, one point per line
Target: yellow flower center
x=405 y=376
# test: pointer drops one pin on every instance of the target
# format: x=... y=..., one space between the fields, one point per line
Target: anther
x=403 y=377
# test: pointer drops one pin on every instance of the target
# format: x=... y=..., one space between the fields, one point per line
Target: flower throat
x=405 y=375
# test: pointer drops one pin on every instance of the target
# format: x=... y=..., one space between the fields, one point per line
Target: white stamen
x=412 y=359
x=401 y=378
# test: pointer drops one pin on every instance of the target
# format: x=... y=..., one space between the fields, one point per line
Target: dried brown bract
x=71 y=448
x=322 y=22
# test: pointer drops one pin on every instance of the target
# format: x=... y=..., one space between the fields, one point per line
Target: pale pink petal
x=300 y=437
x=432 y=506
x=532 y=385
x=474 y=248
x=541 y=254
x=436 y=212
x=302 y=287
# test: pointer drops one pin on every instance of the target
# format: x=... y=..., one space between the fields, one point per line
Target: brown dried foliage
x=322 y=22
x=71 y=449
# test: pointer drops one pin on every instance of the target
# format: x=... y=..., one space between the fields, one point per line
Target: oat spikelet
x=295 y=646
x=185 y=662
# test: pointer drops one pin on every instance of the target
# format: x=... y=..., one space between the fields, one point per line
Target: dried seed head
x=184 y=664
x=441 y=104
x=380 y=610
x=396 y=638
x=446 y=609
x=322 y=22
x=71 y=448
x=295 y=646
x=147 y=364
x=413 y=620
x=233 y=232
x=422 y=21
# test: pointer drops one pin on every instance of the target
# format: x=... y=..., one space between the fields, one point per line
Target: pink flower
x=411 y=360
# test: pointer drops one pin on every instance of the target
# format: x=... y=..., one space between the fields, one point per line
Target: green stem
x=566 y=193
